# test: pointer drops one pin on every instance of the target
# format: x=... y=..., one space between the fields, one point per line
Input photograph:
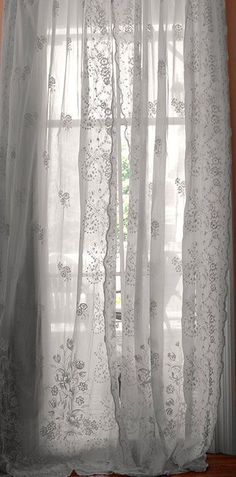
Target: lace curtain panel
x=114 y=234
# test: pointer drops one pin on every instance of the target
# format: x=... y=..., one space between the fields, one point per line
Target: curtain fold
x=207 y=227
x=115 y=225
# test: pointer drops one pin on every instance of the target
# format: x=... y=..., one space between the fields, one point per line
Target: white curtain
x=115 y=213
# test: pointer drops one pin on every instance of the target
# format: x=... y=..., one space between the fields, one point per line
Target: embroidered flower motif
x=79 y=364
x=26 y=72
x=69 y=43
x=53 y=403
x=129 y=28
x=169 y=430
x=82 y=386
x=144 y=376
x=54 y=390
x=41 y=41
x=64 y=198
x=95 y=273
x=158 y=146
x=193 y=213
x=66 y=402
x=149 y=28
x=176 y=373
x=30 y=119
x=105 y=68
x=155 y=226
x=81 y=310
x=63 y=378
x=46 y=159
x=193 y=11
x=98 y=320
x=108 y=111
x=180 y=186
x=177 y=262
x=101 y=372
x=39 y=231
x=89 y=426
x=194 y=59
x=55 y=7
x=66 y=121
x=48 y=431
x=161 y=68
x=170 y=389
x=69 y=343
x=22 y=74
x=213 y=273
x=155 y=359
x=65 y=271
x=152 y=109
x=94 y=270
x=128 y=318
x=178 y=32
x=79 y=400
x=51 y=83
x=131 y=267
x=171 y=356
x=170 y=402
x=153 y=309
x=93 y=220
x=178 y=107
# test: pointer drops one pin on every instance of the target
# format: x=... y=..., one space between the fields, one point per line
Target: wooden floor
x=219 y=465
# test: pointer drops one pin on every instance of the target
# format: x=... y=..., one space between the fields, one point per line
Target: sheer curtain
x=114 y=236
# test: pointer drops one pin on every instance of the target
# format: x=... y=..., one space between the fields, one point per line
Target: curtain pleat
x=206 y=227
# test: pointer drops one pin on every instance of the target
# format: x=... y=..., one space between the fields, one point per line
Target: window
x=68 y=195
